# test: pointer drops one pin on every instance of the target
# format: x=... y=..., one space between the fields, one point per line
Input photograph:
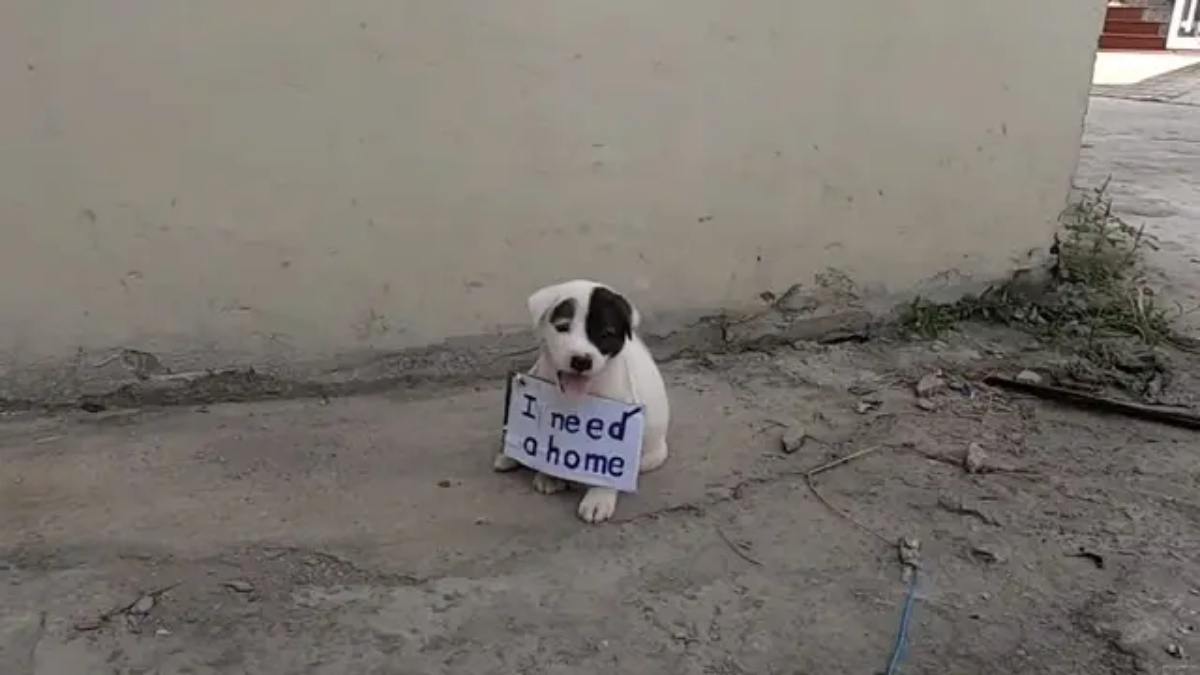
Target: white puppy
x=587 y=334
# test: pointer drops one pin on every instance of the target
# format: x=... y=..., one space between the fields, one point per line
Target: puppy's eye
x=562 y=327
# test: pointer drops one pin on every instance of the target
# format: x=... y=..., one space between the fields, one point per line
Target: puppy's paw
x=547 y=484
x=504 y=463
x=598 y=505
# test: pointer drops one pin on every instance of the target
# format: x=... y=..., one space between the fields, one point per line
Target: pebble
x=1175 y=650
x=162 y=632
x=793 y=439
x=1029 y=377
x=239 y=586
x=865 y=406
x=909 y=549
x=143 y=605
x=987 y=554
x=930 y=385
x=975 y=459
x=926 y=404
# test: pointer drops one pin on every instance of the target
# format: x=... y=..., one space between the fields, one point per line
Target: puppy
x=588 y=344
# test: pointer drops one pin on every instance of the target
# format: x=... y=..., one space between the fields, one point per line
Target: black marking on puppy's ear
x=562 y=315
x=609 y=321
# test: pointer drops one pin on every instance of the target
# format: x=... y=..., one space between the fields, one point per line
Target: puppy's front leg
x=547 y=484
x=504 y=463
x=598 y=504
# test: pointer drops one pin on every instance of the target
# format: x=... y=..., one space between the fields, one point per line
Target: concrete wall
x=232 y=180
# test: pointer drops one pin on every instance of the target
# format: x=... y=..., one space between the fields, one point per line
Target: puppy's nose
x=581 y=363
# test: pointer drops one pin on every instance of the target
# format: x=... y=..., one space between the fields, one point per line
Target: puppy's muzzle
x=581 y=363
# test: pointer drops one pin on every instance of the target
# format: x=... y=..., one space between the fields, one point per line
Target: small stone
x=976 y=459
x=143 y=605
x=793 y=439
x=1175 y=650
x=89 y=625
x=863 y=388
x=162 y=632
x=909 y=550
x=987 y=554
x=444 y=483
x=930 y=385
x=865 y=406
x=239 y=586
x=1029 y=377
x=927 y=404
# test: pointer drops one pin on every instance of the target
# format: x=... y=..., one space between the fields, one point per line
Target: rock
x=927 y=404
x=1175 y=650
x=162 y=632
x=865 y=406
x=975 y=460
x=930 y=385
x=793 y=439
x=863 y=388
x=1029 y=377
x=143 y=605
x=987 y=554
x=86 y=625
x=239 y=586
x=909 y=550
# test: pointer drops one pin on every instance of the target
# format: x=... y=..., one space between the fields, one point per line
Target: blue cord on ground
x=901 y=641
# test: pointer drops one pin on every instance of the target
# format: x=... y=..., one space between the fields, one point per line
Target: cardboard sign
x=591 y=440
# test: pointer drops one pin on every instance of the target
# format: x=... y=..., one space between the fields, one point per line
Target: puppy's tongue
x=572 y=384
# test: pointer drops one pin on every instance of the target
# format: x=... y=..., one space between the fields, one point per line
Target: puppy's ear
x=632 y=315
x=629 y=314
x=541 y=301
x=635 y=317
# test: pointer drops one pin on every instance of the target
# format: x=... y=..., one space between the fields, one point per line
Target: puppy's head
x=581 y=326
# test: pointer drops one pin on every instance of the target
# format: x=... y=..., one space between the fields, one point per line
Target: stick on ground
x=812 y=486
x=1177 y=417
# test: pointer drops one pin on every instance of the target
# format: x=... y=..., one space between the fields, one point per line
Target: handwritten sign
x=588 y=439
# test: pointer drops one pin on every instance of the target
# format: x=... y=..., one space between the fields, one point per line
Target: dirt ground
x=369 y=535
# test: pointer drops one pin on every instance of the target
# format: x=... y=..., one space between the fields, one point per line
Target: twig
x=841 y=460
x=812 y=473
x=105 y=617
x=737 y=549
x=1177 y=417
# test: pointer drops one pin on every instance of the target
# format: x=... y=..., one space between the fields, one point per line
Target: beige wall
x=311 y=177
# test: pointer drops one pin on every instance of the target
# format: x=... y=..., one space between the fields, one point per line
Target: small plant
x=1097 y=289
x=928 y=319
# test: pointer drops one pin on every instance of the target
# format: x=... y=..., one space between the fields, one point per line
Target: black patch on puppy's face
x=562 y=315
x=609 y=321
